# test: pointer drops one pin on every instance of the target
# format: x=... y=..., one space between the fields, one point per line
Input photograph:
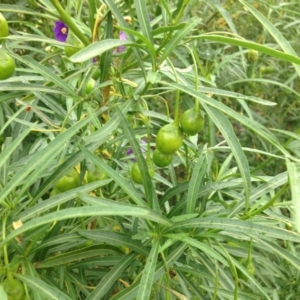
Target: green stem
x=92 y=13
x=3 y=238
x=183 y=6
x=249 y=258
x=196 y=107
x=176 y=116
x=5 y=255
x=177 y=97
x=193 y=54
x=265 y=206
x=166 y=7
x=67 y=19
x=148 y=158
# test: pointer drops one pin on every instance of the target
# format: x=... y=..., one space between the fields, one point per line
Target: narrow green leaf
x=110 y=278
x=250 y=45
x=57 y=200
x=206 y=189
x=174 y=42
x=105 y=261
x=230 y=94
x=59 y=239
x=238 y=226
x=121 y=181
x=226 y=129
x=226 y=15
x=261 y=191
x=77 y=255
x=20 y=86
x=227 y=294
x=184 y=217
x=143 y=18
x=131 y=292
x=3 y=294
x=167 y=29
x=48 y=74
x=173 y=191
x=106 y=58
x=39 y=161
x=116 y=239
x=5 y=155
x=193 y=287
x=93 y=142
x=280 y=251
x=38 y=285
x=147 y=182
x=97 y=49
x=195 y=183
x=263 y=81
x=141 y=37
x=87 y=211
x=120 y=19
x=109 y=127
x=146 y=283
x=19 y=9
x=294 y=178
x=277 y=35
x=251 y=124
x=111 y=203
x=201 y=246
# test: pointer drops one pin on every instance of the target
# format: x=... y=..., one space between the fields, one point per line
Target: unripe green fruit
x=76 y=45
x=96 y=175
x=191 y=121
x=68 y=182
x=14 y=289
x=169 y=139
x=96 y=74
x=89 y=86
x=54 y=192
x=266 y=69
x=7 y=65
x=3 y=27
x=249 y=266
x=136 y=175
x=70 y=50
x=162 y=160
x=252 y=55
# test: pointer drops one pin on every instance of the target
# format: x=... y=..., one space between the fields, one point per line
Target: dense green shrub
x=85 y=212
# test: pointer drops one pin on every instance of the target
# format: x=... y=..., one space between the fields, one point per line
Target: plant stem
x=148 y=158
x=176 y=114
x=177 y=96
x=92 y=13
x=67 y=19
x=6 y=262
x=266 y=205
x=183 y=6
x=249 y=258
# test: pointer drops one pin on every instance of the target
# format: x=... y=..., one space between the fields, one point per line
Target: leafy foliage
x=219 y=219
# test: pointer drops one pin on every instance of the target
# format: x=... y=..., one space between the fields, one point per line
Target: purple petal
x=130 y=151
x=60 y=31
x=122 y=37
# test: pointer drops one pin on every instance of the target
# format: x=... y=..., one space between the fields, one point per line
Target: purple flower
x=122 y=37
x=130 y=151
x=60 y=31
